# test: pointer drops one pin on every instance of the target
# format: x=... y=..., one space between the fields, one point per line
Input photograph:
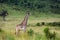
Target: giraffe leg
x=17 y=31
x=24 y=29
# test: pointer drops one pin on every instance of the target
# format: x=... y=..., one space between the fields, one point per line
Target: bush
x=49 y=35
x=46 y=30
x=54 y=24
x=43 y=23
x=38 y=24
x=49 y=24
x=1 y=30
x=30 y=32
x=58 y=23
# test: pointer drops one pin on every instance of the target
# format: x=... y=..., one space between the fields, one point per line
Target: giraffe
x=22 y=25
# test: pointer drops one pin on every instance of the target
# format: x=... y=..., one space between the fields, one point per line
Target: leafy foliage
x=43 y=5
x=54 y=24
x=30 y=32
x=43 y=23
x=38 y=24
x=49 y=35
x=1 y=30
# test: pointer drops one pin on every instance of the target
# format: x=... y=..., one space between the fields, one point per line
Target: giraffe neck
x=24 y=22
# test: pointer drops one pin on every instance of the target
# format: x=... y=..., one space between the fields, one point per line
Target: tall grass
x=10 y=37
x=5 y=36
x=37 y=36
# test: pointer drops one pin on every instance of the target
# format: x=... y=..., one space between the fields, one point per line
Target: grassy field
x=15 y=17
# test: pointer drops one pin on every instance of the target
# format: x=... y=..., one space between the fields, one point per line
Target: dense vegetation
x=46 y=6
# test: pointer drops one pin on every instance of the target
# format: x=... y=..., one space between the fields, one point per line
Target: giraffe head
x=28 y=12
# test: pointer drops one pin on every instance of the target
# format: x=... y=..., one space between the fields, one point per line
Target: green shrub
x=57 y=23
x=43 y=23
x=54 y=24
x=1 y=30
x=46 y=30
x=38 y=24
x=30 y=32
x=49 y=24
x=49 y=35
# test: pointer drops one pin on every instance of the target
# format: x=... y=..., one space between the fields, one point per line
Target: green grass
x=38 y=36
